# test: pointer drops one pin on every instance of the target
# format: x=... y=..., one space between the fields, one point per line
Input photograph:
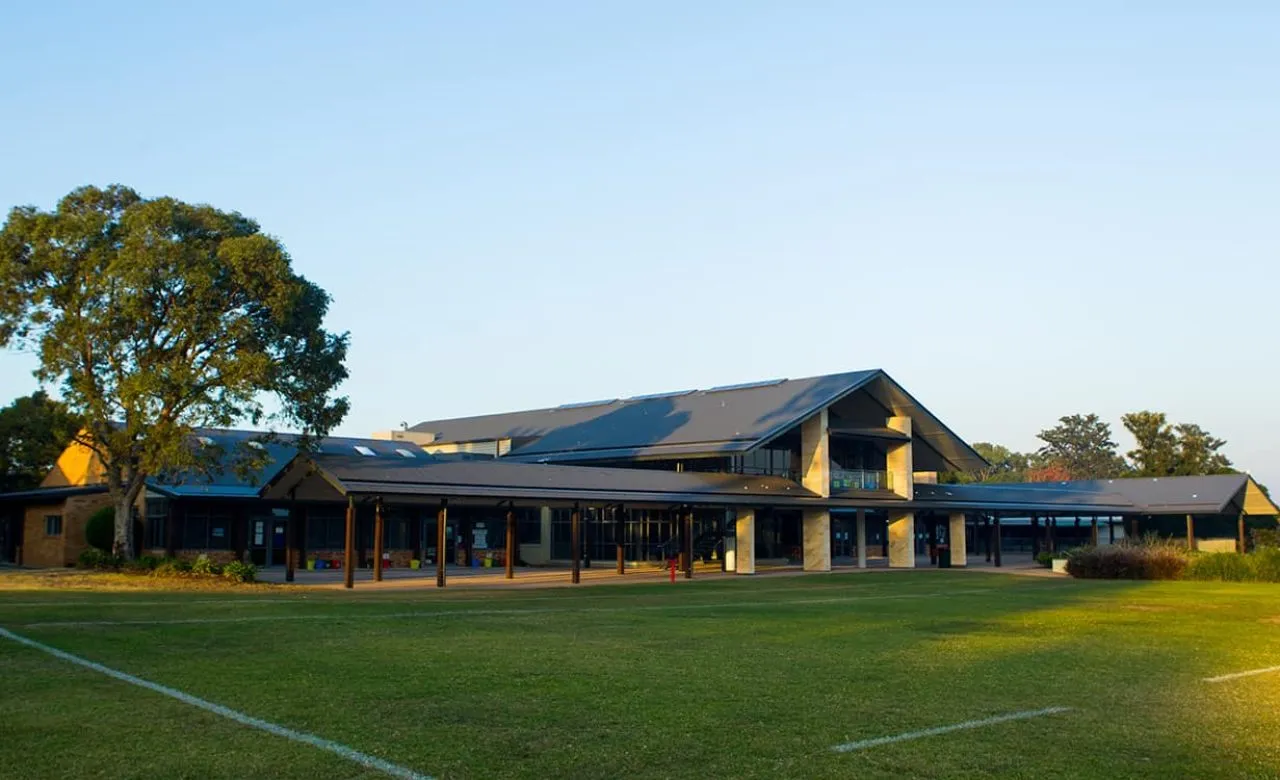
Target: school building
x=815 y=473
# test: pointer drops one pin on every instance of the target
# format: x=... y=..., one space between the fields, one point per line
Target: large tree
x=1166 y=450
x=155 y=317
x=1080 y=446
x=34 y=430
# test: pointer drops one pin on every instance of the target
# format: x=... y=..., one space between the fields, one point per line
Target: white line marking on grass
x=463 y=613
x=850 y=747
x=364 y=759
x=1238 y=675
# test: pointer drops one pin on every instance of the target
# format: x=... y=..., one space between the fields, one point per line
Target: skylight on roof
x=585 y=404
x=257 y=445
x=205 y=440
x=405 y=453
x=365 y=451
x=745 y=386
x=653 y=396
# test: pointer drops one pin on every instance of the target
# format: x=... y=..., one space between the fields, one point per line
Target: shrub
x=240 y=572
x=1224 y=566
x=205 y=566
x=1149 y=559
x=1266 y=564
x=100 y=529
x=93 y=558
x=172 y=567
x=1265 y=538
x=1045 y=559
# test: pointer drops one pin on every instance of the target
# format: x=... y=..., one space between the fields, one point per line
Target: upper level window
x=53 y=525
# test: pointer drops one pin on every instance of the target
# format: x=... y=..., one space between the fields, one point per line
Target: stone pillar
x=959 y=545
x=862 y=538
x=902 y=540
x=898 y=459
x=817 y=540
x=745 y=541
x=815 y=475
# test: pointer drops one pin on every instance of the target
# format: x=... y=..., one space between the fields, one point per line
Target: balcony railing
x=845 y=480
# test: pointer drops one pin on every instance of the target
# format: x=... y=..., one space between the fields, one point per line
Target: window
x=405 y=453
x=53 y=525
x=206 y=529
x=365 y=451
x=326 y=531
x=157 y=522
x=529 y=526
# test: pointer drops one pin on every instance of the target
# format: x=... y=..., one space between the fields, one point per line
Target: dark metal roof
x=720 y=420
x=279 y=450
x=499 y=479
x=1217 y=494
x=1032 y=497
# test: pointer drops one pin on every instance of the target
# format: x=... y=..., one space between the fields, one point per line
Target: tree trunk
x=123 y=544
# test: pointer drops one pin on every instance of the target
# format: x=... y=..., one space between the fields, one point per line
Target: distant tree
x=1166 y=450
x=1005 y=465
x=1049 y=471
x=155 y=317
x=34 y=430
x=1081 y=446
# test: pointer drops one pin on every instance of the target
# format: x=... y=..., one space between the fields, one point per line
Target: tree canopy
x=1166 y=450
x=154 y=317
x=34 y=430
x=1080 y=446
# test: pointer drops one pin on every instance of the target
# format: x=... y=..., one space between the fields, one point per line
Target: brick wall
x=41 y=550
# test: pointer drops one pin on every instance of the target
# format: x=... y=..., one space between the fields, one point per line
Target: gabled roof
x=1217 y=494
x=278 y=450
x=1214 y=494
x=720 y=420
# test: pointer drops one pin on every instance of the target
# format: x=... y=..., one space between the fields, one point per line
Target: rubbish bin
x=944 y=556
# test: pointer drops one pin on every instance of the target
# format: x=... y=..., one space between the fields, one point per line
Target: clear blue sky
x=1018 y=211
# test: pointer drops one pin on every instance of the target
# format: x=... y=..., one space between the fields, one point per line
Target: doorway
x=268 y=541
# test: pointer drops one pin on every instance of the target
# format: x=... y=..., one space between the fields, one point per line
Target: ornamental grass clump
x=1148 y=558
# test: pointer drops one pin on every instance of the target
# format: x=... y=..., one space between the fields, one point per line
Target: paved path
x=552 y=577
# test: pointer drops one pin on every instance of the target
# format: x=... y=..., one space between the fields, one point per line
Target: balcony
x=848 y=480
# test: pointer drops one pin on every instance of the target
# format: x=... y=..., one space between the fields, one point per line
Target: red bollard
x=673 y=569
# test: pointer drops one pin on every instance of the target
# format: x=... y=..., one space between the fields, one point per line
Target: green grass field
x=728 y=678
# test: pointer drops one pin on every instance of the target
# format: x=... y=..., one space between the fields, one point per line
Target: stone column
x=902 y=540
x=817 y=540
x=815 y=476
x=862 y=538
x=745 y=541
x=959 y=545
x=899 y=460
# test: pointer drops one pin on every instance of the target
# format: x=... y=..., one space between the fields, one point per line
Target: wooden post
x=379 y=527
x=442 y=540
x=575 y=544
x=619 y=532
x=1035 y=535
x=349 y=553
x=587 y=539
x=511 y=543
x=1050 y=535
x=986 y=537
x=1135 y=534
x=290 y=541
x=1191 y=532
x=1111 y=529
x=995 y=541
x=171 y=530
x=1093 y=531
x=688 y=544
x=1241 y=545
